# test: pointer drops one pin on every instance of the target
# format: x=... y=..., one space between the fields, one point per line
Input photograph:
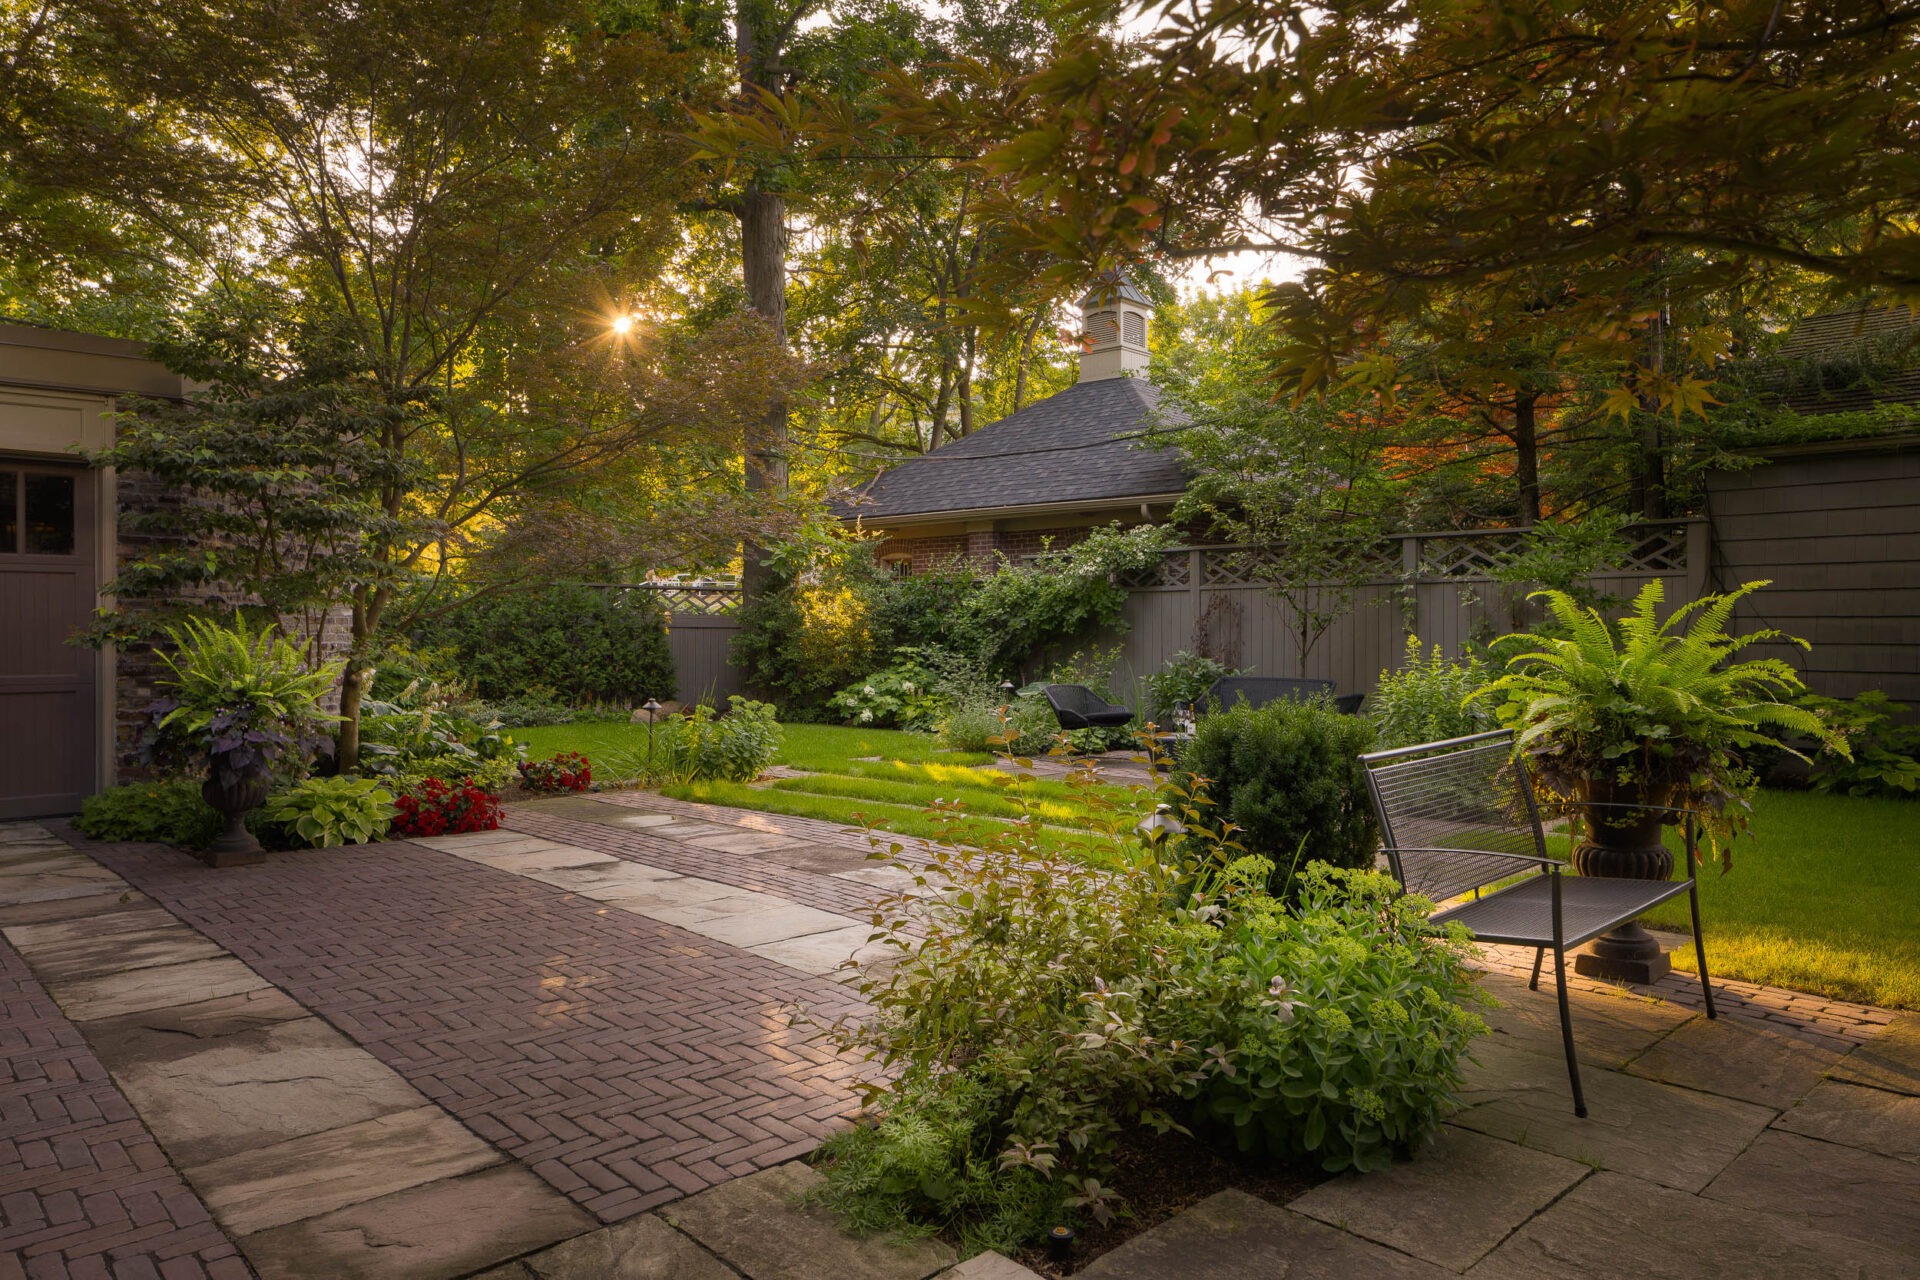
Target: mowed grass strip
x=1825 y=899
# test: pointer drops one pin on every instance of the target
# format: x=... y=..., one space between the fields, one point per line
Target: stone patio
x=562 y=1050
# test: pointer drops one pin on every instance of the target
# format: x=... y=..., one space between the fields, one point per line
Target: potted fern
x=1638 y=721
x=242 y=701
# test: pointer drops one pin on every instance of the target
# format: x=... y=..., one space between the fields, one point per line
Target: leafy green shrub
x=1426 y=699
x=903 y=696
x=1343 y=1020
x=419 y=736
x=322 y=813
x=1886 y=754
x=982 y=720
x=162 y=812
x=736 y=747
x=1186 y=678
x=1034 y=1013
x=1288 y=776
x=582 y=642
x=527 y=710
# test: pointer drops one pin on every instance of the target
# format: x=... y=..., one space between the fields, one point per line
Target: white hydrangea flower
x=869 y=691
x=906 y=686
x=865 y=716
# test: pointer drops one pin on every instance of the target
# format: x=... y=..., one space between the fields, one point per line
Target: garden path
x=436 y=1057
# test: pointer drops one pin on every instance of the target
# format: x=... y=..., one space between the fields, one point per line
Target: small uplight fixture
x=1158 y=825
x=1060 y=1245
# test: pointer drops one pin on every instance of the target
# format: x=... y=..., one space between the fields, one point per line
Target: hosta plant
x=1658 y=704
x=323 y=813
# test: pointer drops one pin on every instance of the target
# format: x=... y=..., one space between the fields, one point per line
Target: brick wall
x=136 y=666
x=977 y=549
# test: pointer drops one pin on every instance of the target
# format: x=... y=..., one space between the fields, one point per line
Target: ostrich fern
x=1653 y=702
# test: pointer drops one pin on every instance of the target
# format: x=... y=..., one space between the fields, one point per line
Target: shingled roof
x=1842 y=339
x=1080 y=445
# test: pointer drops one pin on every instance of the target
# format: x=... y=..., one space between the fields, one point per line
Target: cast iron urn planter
x=235 y=796
x=1624 y=843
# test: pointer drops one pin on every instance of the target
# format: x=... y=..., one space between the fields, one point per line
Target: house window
x=1101 y=328
x=899 y=567
x=1135 y=328
x=36 y=513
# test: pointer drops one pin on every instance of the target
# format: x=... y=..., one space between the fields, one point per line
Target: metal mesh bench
x=1077 y=707
x=1460 y=817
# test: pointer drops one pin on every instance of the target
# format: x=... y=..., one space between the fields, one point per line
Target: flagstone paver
x=1462 y=1197
x=1754 y=1062
x=1616 y=1225
x=84 y=1189
x=1891 y=1061
x=758 y=1225
x=1857 y=1116
x=641 y=1248
x=1234 y=1236
x=1822 y=1184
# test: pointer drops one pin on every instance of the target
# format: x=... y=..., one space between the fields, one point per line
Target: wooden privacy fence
x=1438 y=586
x=1217 y=600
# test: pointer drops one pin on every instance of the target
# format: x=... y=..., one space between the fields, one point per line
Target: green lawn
x=1826 y=899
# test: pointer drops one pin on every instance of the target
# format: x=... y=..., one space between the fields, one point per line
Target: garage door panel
x=41 y=605
x=46 y=772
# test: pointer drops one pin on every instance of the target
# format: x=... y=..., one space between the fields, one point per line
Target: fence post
x=1699 y=557
x=1193 y=589
x=1410 y=578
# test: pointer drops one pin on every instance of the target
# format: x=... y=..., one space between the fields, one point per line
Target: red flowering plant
x=567 y=771
x=432 y=808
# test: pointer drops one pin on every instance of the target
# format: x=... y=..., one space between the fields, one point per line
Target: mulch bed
x=1159 y=1176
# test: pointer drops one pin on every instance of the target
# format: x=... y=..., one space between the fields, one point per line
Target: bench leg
x=1700 y=949
x=1533 y=983
x=1566 y=1031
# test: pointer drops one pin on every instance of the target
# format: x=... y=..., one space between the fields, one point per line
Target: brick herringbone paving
x=627 y=1062
x=84 y=1188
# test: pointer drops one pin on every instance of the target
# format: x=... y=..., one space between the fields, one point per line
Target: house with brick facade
x=1046 y=474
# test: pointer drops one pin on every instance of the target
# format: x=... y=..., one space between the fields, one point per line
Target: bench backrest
x=1076 y=699
x=1458 y=795
x=1258 y=691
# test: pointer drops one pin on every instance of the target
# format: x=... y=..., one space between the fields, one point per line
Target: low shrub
x=162 y=812
x=1186 y=678
x=902 y=696
x=1426 y=700
x=529 y=709
x=431 y=807
x=419 y=734
x=983 y=719
x=1034 y=1013
x=582 y=642
x=1288 y=776
x=322 y=813
x=1886 y=754
x=736 y=747
x=566 y=771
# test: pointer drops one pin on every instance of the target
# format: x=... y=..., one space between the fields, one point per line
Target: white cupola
x=1113 y=341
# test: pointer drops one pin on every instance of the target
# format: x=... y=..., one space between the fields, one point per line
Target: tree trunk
x=763 y=261
x=1650 y=480
x=1526 y=467
x=1026 y=354
x=964 y=388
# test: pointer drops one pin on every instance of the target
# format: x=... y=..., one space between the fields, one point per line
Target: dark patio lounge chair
x=1077 y=707
x=1258 y=691
x=1458 y=816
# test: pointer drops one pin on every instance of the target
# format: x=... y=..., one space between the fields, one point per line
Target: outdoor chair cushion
x=1077 y=707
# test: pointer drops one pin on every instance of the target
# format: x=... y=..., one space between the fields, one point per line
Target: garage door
x=48 y=721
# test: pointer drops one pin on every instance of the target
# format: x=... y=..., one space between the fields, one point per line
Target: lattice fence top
x=676 y=597
x=1449 y=557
